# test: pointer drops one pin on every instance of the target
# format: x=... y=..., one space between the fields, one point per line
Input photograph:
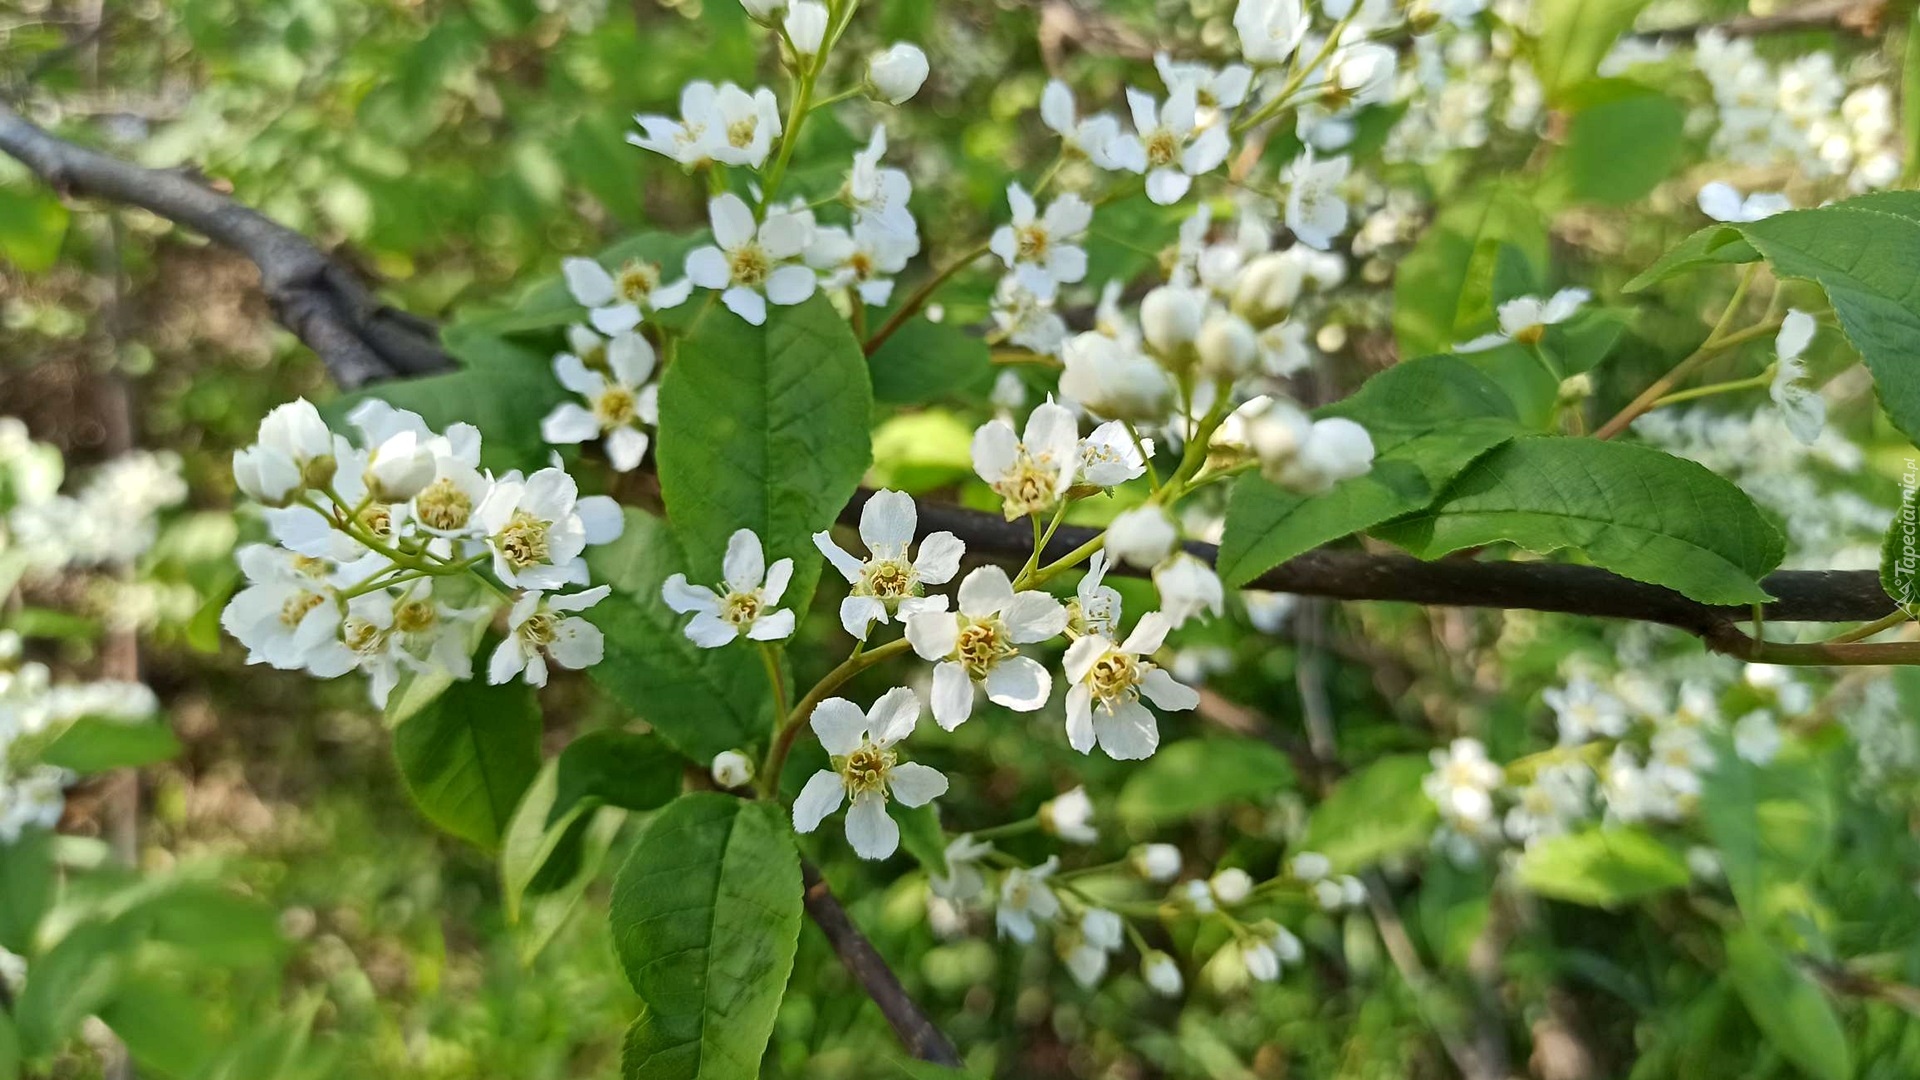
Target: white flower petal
x=1021 y=683
x=870 y=831
x=952 y=693
x=822 y=796
x=915 y=784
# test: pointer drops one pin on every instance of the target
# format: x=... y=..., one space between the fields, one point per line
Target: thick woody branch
x=359 y=338
x=1819 y=596
x=917 y=1033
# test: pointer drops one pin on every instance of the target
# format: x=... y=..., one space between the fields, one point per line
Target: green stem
x=918 y=300
x=1299 y=76
x=1011 y=828
x=806 y=69
x=1718 y=340
x=770 y=656
x=1861 y=633
x=1757 y=382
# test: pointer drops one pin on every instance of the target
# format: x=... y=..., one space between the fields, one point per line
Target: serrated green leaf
x=96 y=745
x=1443 y=290
x=1602 y=867
x=469 y=756
x=925 y=361
x=1192 y=776
x=764 y=428
x=1636 y=511
x=1862 y=252
x=619 y=768
x=1378 y=812
x=706 y=918
x=1574 y=36
x=1900 y=554
x=1715 y=245
x=1788 y=1007
x=1429 y=418
x=702 y=701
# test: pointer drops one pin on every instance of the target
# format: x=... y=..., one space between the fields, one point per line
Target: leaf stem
x=1718 y=340
x=1861 y=633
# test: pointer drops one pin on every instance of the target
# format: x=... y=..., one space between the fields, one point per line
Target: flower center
x=310 y=566
x=1032 y=242
x=861 y=264
x=378 y=520
x=1531 y=335
x=296 y=607
x=615 y=407
x=443 y=506
x=740 y=132
x=362 y=636
x=415 y=617
x=750 y=265
x=1027 y=487
x=889 y=580
x=538 y=630
x=637 y=281
x=1115 y=678
x=741 y=608
x=865 y=770
x=523 y=541
x=983 y=643
x=1162 y=148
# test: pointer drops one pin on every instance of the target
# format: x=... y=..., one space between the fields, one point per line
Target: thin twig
x=917 y=1033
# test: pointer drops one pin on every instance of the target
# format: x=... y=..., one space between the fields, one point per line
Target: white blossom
x=537 y=528
x=1111 y=456
x=1142 y=536
x=1524 y=319
x=1175 y=147
x=1030 y=472
x=1156 y=862
x=887 y=582
x=866 y=771
x=1108 y=680
x=1188 y=586
x=1112 y=378
x=732 y=769
x=539 y=629
x=1721 y=201
x=1793 y=392
x=1044 y=249
x=1316 y=211
x=751 y=264
x=1097 y=138
x=897 y=73
x=1162 y=974
x=1462 y=784
x=618 y=302
x=1087 y=947
x=1270 y=30
x=1026 y=897
x=962 y=881
x=1070 y=817
x=750 y=605
x=620 y=401
x=806 y=26
x=979 y=644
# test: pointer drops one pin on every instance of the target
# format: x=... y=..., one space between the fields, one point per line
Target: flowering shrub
x=1268 y=320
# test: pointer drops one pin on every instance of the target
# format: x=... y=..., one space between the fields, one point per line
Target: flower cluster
x=1800 y=113
x=110 y=520
x=33 y=712
x=391 y=554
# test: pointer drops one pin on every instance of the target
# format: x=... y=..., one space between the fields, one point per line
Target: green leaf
x=542 y=836
x=71 y=982
x=1621 y=143
x=706 y=918
x=469 y=756
x=503 y=389
x=27 y=882
x=1429 y=418
x=10 y=1056
x=925 y=361
x=1443 y=289
x=1771 y=825
x=1195 y=775
x=1900 y=554
x=1377 y=813
x=1788 y=1007
x=209 y=922
x=95 y=745
x=1715 y=245
x=162 y=1023
x=702 y=701
x=1638 y=512
x=618 y=768
x=764 y=428
x=1862 y=252
x=1602 y=867
x=32 y=226
x=1574 y=36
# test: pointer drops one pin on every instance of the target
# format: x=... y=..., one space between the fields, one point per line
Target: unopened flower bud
x=763 y=10
x=1311 y=866
x=1142 y=536
x=806 y=26
x=265 y=475
x=1170 y=320
x=1155 y=862
x=1162 y=974
x=1231 y=886
x=897 y=73
x=1576 y=388
x=1268 y=289
x=1227 y=346
x=732 y=769
x=399 y=469
x=1070 y=817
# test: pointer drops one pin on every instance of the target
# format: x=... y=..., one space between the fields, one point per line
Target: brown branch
x=359 y=338
x=917 y=1033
